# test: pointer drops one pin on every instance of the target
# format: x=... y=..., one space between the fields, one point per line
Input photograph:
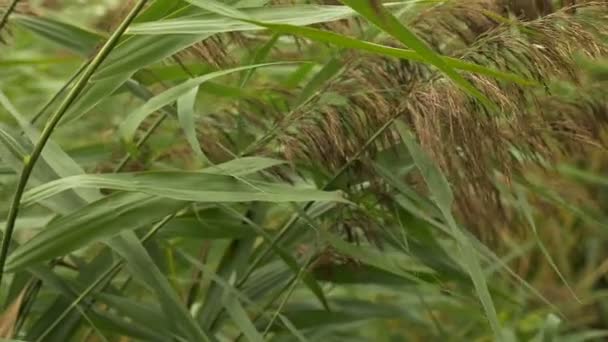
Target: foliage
x=204 y=170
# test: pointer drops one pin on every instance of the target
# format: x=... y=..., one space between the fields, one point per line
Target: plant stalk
x=7 y=13
x=58 y=94
x=52 y=123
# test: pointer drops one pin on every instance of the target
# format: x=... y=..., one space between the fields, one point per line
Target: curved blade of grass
x=240 y=318
x=384 y=20
x=223 y=18
x=483 y=252
x=52 y=123
x=329 y=70
x=66 y=35
x=138 y=52
x=258 y=57
x=443 y=197
x=129 y=126
x=233 y=260
x=94 y=222
x=129 y=56
x=186 y=186
x=93 y=94
x=96 y=280
x=219 y=8
x=549 y=329
x=43 y=326
x=185 y=116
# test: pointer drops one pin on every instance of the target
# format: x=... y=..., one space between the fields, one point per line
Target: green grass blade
x=137 y=52
x=329 y=71
x=95 y=222
x=65 y=35
x=240 y=318
x=185 y=116
x=352 y=43
x=129 y=126
x=443 y=197
x=186 y=186
x=143 y=267
x=243 y=166
x=225 y=18
x=420 y=52
x=233 y=260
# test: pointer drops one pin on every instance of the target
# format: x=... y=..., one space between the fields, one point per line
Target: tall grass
x=282 y=170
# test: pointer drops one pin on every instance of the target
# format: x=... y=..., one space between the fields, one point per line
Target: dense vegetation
x=248 y=170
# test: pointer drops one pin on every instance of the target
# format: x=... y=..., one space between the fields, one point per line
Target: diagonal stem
x=52 y=123
x=10 y=9
x=58 y=94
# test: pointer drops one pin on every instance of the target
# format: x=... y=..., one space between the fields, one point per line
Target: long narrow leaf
x=94 y=222
x=443 y=197
x=185 y=115
x=129 y=125
x=141 y=265
x=185 y=186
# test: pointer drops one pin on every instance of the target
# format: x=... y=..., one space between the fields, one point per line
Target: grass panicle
x=469 y=141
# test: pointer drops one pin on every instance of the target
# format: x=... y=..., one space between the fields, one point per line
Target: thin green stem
x=65 y=86
x=7 y=13
x=50 y=126
x=290 y=291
